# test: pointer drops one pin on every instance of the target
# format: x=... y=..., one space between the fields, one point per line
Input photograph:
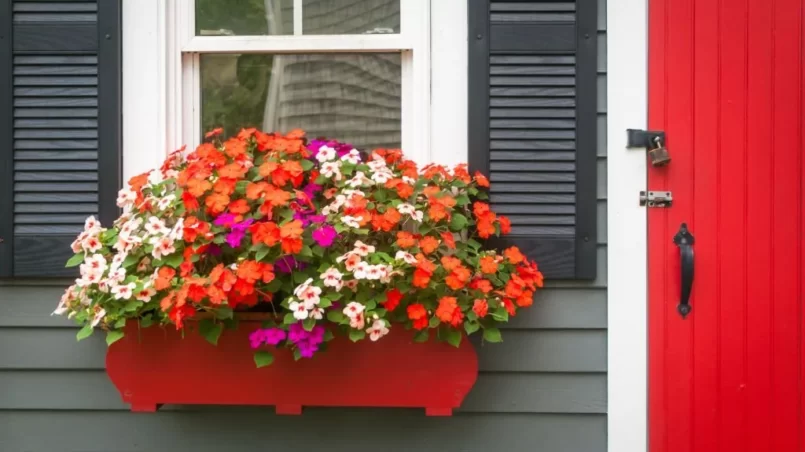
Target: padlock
x=659 y=155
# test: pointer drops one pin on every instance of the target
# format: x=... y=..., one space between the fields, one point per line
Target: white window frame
x=184 y=49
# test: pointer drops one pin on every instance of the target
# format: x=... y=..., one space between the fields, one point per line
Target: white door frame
x=627 y=296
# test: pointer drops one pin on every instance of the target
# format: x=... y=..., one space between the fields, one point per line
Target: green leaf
x=263 y=358
x=434 y=322
x=306 y=251
x=289 y=319
x=471 y=327
x=261 y=253
x=325 y=303
x=130 y=260
x=333 y=296
x=74 y=261
x=336 y=316
x=453 y=337
x=380 y=195
x=309 y=323
x=300 y=277
x=146 y=321
x=328 y=335
x=274 y=286
x=458 y=222
x=474 y=244
x=361 y=231
x=318 y=251
x=422 y=336
x=132 y=305
x=356 y=335
x=210 y=330
x=224 y=312
x=307 y=165
x=500 y=314
x=492 y=335
x=297 y=355
x=84 y=333
x=462 y=200
x=113 y=336
x=174 y=260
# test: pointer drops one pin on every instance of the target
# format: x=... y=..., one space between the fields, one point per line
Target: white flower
x=351 y=284
x=357 y=322
x=92 y=225
x=166 y=202
x=332 y=278
x=131 y=226
x=375 y=272
x=406 y=209
x=299 y=310
x=146 y=294
x=362 y=249
x=361 y=271
x=64 y=303
x=387 y=272
x=310 y=296
x=408 y=258
x=117 y=261
x=163 y=246
x=377 y=330
x=126 y=198
x=155 y=226
x=317 y=313
x=77 y=245
x=89 y=279
x=353 y=156
x=91 y=244
x=125 y=245
x=381 y=177
x=177 y=233
x=99 y=315
x=94 y=264
x=349 y=194
x=353 y=222
x=377 y=163
x=353 y=260
x=358 y=180
x=326 y=153
x=123 y=292
x=302 y=286
x=117 y=275
x=331 y=170
x=409 y=180
x=353 y=309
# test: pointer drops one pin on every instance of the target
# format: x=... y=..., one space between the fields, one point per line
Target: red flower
x=480 y=308
x=449 y=312
x=393 y=298
x=419 y=315
x=179 y=313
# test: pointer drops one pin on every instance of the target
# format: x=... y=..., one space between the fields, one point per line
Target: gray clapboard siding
x=337 y=430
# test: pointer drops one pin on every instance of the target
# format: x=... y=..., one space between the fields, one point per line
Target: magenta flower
x=225 y=220
x=325 y=236
x=287 y=264
x=268 y=336
x=235 y=237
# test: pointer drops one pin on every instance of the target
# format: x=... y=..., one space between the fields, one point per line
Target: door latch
x=653 y=141
x=656 y=198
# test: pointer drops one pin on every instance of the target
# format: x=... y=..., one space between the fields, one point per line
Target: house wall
x=543 y=389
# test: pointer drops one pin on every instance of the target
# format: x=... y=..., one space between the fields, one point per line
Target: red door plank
x=726 y=82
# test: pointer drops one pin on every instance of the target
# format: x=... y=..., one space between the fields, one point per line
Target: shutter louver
x=64 y=110
x=533 y=127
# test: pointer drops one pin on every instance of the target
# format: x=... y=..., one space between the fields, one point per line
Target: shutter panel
x=60 y=91
x=532 y=125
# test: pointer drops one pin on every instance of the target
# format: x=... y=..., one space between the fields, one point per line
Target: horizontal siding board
x=523 y=351
x=30 y=306
x=341 y=429
x=492 y=393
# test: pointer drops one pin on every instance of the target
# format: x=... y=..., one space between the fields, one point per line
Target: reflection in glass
x=336 y=17
x=276 y=17
x=353 y=98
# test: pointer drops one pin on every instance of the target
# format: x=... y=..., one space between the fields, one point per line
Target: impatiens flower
x=92 y=225
x=393 y=298
x=166 y=202
x=267 y=336
x=225 y=220
x=408 y=258
x=155 y=226
x=480 y=308
x=353 y=156
x=317 y=313
x=353 y=222
x=331 y=170
x=377 y=330
x=163 y=246
x=359 y=180
x=299 y=310
x=123 y=292
x=417 y=313
x=325 y=236
x=91 y=244
x=488 y=265
x=146 y=294
x=362 y=249
x=514 y=255
x=353 y=309
x=235 y=236
x=332 y=278
x=361 y=270
x=449 y=311
x=99 y=315
x=310 y=296
x=325 y=154
x=126 y=198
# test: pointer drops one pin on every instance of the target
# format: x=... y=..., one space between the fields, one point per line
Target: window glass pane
x=354 y=98
x=333 y=17
x=244 y=17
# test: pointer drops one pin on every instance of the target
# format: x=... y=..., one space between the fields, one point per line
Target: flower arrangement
x=319 y=236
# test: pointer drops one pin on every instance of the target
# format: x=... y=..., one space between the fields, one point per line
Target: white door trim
x=627 y=299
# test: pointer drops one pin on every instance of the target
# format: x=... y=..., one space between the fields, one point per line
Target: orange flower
x=460 y=172
x=514 y=255
x=485 y=228
x=437 y=212
x=197 y=187
x=428 y=244
x=292 y=229
x=489 y=265
x=421 y=278
x=164 y=277
x=267 y=168
x=404 y=190
x=224 y=186
x=458 y=278
x=480 y=209
x=525 y=299
x=255 y=190
x=419 y=315
x=387 y=220
x=196 y=292
x=216 y=295
x=276 y=196
x=216 y=203
x=505 y=224
x=449 y=240
x=515 y=286
x=239 y=207
x=235 y=147
x=249 y=271
x=232 y=171
x=509 y=307
x=481 y=284
x=214 y=132
x=480 y=308
x=481 y=180
x=266 y=233
x=449 y=312
x=405 y=240
x=450 y=262
x=193 y=228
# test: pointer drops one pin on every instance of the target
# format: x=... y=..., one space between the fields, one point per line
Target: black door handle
x=684 y=240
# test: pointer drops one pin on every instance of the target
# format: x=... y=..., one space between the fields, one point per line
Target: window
x=353 y=70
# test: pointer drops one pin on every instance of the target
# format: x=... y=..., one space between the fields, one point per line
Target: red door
x=726 y=85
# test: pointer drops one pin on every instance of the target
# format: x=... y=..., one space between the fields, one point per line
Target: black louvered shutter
x=60 y=128
x=532 y=125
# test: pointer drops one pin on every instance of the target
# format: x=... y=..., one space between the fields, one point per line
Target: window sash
x=184 y=74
